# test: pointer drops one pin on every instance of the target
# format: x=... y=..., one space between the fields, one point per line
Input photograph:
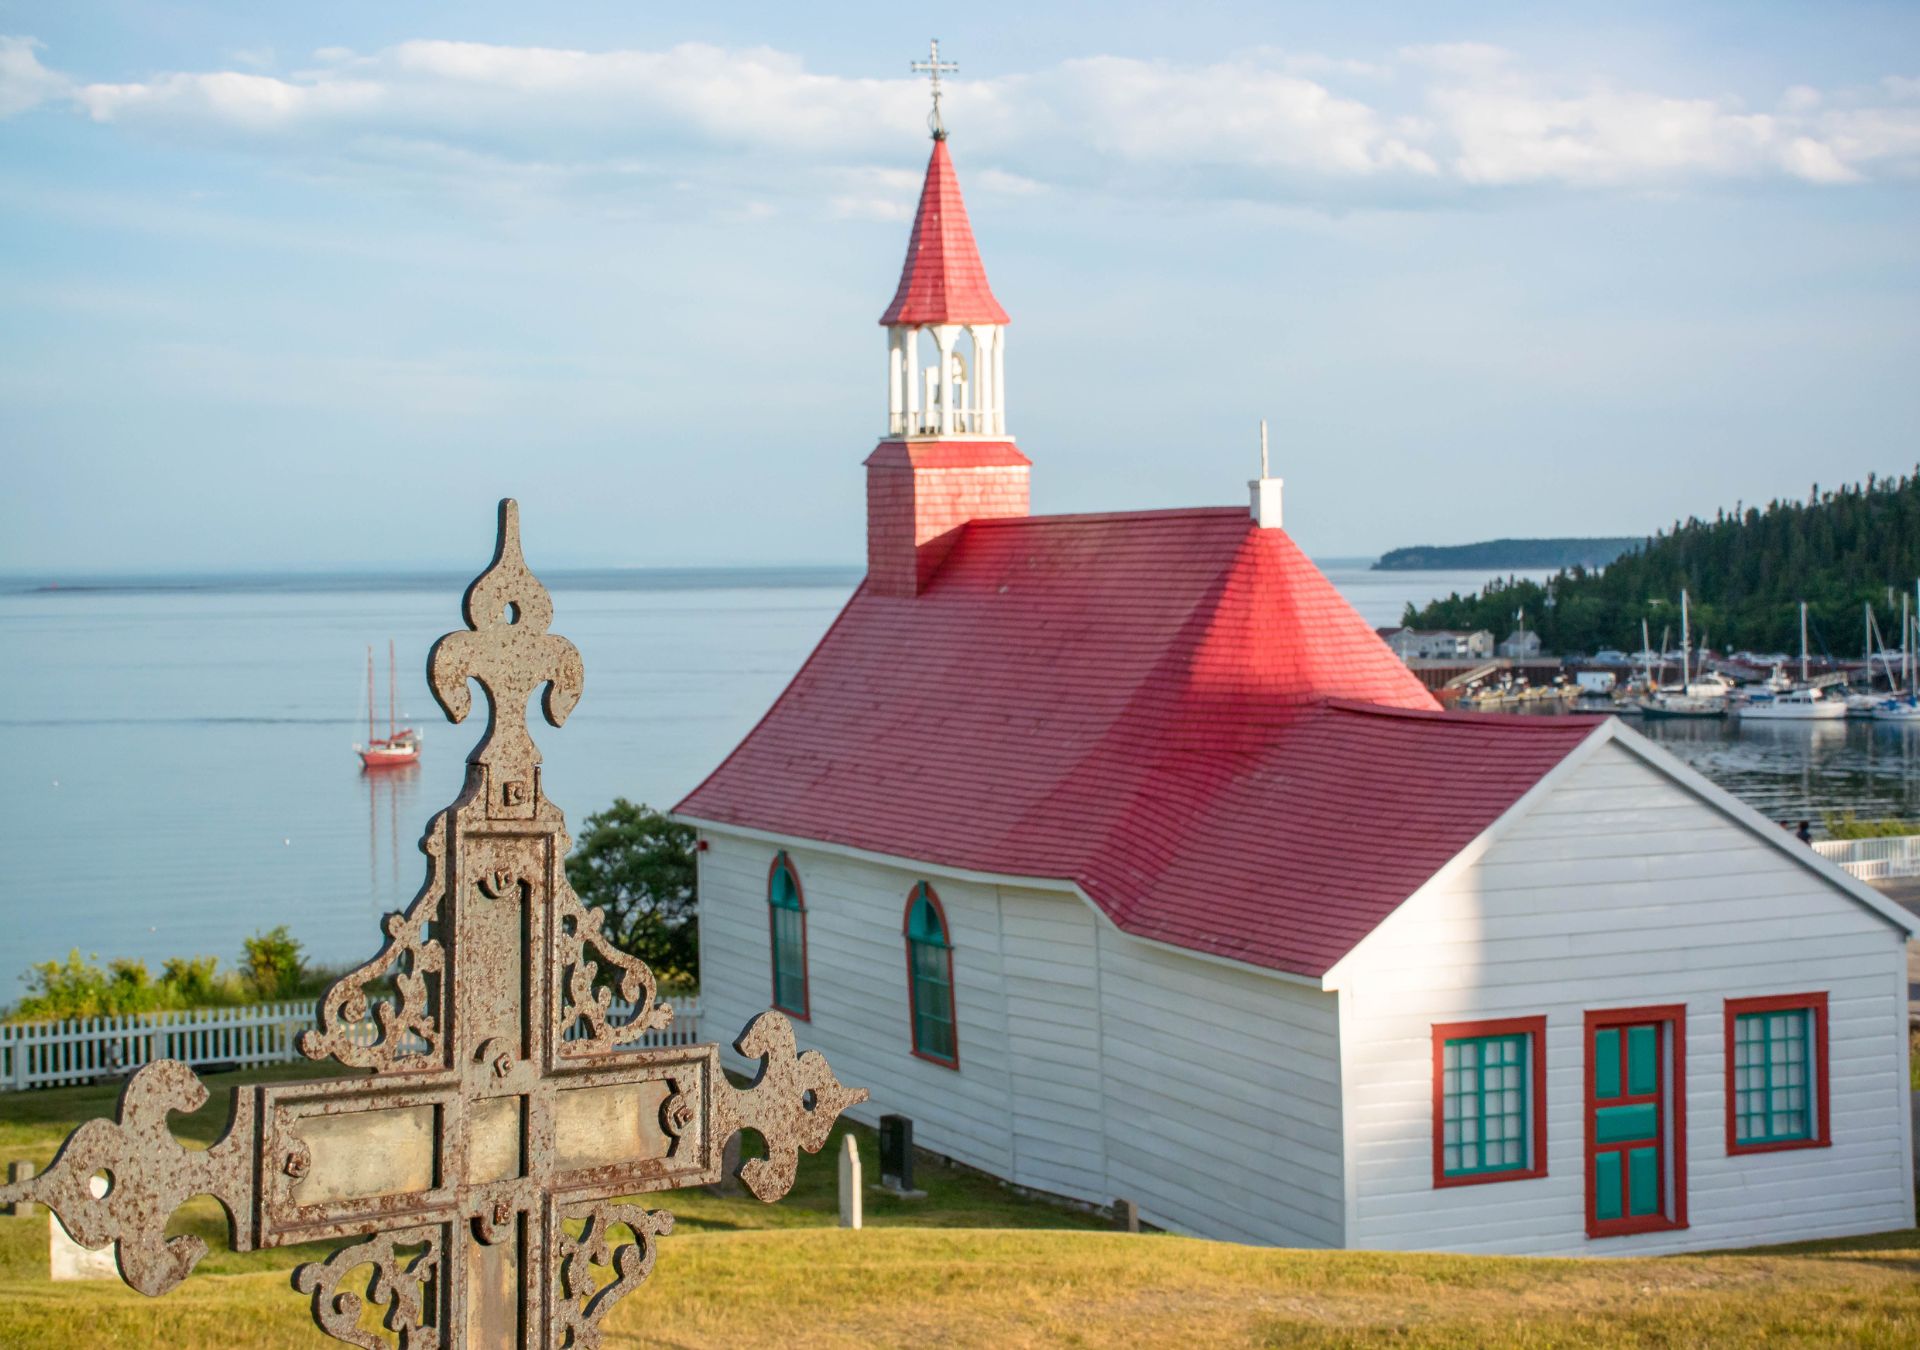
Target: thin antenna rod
x=1263 y=449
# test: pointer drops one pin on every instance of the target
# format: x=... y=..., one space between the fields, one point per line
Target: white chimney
x=1265 y=490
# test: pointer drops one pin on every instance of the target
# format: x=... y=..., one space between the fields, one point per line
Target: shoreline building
x=1437 y=644
x=1119 y=853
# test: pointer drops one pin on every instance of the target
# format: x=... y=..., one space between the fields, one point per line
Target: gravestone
x=850 y=1201
x=480 y=1164
x=896 y=1157
x=67 y=1259
x=729 y=1184
x=18 y=1174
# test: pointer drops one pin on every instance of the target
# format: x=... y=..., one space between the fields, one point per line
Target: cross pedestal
x=480 y=1162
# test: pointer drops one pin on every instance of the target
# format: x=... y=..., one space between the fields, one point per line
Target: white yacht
x=1796 y=705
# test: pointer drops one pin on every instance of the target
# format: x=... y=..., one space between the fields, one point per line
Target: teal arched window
x=787 y=917
x=930 y=978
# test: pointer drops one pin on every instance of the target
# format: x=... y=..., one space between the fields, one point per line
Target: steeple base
x=919 y=494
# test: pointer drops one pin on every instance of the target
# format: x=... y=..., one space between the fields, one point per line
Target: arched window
x=787 y=917
x=930 y=978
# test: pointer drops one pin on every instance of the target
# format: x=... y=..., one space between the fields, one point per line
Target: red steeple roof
x=1173 y=709
x=942 y=281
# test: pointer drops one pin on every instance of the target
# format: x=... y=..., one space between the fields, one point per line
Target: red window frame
x=1672 y=1116
x=913 y=988
x=1536 y=1027
x=1815 y=1003
x=805 y=1011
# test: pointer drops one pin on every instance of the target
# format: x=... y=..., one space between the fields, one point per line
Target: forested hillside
x=1746 y=571
x=1531 y=554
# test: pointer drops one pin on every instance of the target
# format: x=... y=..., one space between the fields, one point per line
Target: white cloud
x=756 y=125
x=1236 y=114
x=24 y=82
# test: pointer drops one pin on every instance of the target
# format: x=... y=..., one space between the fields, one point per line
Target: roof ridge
x=1460 y=717
x=1088 y=517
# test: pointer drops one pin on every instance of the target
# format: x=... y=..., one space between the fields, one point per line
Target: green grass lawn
x=973 y=1263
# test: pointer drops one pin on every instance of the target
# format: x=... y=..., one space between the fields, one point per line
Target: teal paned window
x=1772 y=1076
x=789 y=939
x=1484 y=1103
x=930 y=977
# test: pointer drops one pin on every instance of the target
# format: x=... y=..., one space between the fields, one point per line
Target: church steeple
x=957 y=389
x=946 y=457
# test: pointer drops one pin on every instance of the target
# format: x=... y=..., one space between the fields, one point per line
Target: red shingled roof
x=942 y=280
x=1173 y=709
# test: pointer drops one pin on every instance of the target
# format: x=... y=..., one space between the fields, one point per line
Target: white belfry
x=953 y=390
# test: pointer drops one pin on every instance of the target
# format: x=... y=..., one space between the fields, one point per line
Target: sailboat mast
x=1686 y=645
x=1867 y=605
x=1803 y=642
x=369 y=695
x=392 y=690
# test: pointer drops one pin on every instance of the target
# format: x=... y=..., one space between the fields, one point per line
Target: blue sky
x=312 y=285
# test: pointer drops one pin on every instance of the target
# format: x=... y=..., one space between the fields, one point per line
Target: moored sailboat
x=1805 y=702
x=401 y=745
x=1904 y=707
x=1682 y=702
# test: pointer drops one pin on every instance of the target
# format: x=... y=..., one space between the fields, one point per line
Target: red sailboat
x=401 y=745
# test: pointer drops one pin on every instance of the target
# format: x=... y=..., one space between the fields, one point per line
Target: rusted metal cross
x=480 y=1161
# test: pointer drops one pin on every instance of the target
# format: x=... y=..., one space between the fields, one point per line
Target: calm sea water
x=180 y=755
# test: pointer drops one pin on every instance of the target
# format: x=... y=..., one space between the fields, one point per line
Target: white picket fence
x=53 y=1054
x=1874 y=859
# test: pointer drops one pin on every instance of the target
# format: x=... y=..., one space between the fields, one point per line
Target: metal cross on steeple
x=933 y=67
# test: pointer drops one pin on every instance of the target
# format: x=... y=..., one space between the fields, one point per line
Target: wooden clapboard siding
x=1092 y=1065
x=857 y=985
x=1222 y=1097
x=1621 y=887
x=1053 y=1041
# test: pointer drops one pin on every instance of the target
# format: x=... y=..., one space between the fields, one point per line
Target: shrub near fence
x=54 y=1054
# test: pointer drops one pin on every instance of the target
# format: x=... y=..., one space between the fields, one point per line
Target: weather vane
x=933 y=67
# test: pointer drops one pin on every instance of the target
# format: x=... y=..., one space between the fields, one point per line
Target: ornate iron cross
x=933 y=68
x=506 y=1108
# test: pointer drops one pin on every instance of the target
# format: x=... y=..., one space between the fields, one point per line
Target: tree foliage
x=1846 y=825
x=272 y=968
x=637 y=867
x=274 y=963
x=1745 y=571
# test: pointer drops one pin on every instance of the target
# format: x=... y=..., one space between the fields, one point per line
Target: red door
x=1636 y=1120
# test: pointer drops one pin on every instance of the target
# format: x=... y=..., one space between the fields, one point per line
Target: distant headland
x=1507 y=555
